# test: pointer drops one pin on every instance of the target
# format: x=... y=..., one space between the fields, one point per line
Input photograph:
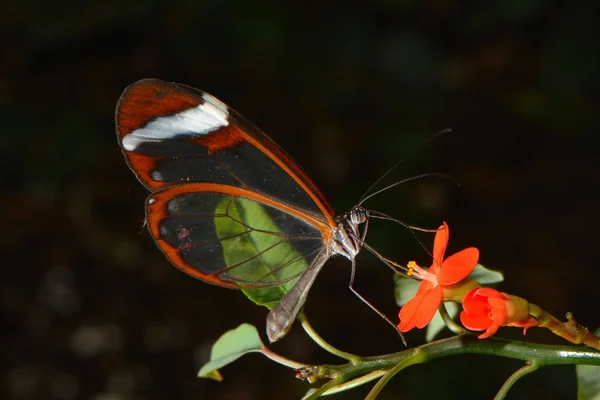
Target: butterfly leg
x=351 y=286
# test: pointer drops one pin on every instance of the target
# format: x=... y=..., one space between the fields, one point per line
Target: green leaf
x=404 y=289
x=437 y=323
x=588 y=381
x=215 y=375
x=229 y=347
x=258 y=253
x=486 y=276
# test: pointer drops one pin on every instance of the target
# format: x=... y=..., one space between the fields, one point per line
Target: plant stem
x=323 y=344
x=535 y=354
x=569 y=330
x=453 y=326
x=280 y=359
x=355 y=382
x=518 y=374
x=529 y=352
x=320 y=391
x=385 y=379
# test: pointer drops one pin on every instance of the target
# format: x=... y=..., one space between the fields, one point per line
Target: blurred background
x=92 y=310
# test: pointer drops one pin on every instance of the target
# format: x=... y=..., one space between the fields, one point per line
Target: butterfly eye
x=358 y=215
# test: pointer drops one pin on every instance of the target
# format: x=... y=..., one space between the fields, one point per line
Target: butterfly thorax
x=347 y=239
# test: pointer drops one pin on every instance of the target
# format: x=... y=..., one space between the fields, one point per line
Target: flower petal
x=458 y=266
x=489 y=293
x=425 y=286
x=475 y=322
x=484 y=309
x=408 y=312
x=419 y=310
x=499 y=312
x=439 y=244
x=474 y=304
x=493 y=328
x=429 y=305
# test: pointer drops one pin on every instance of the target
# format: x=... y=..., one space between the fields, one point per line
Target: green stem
x=518 y=374
x=537 y=354
x=280 y=359
x=453 y=326
x=355 y=382
x=385 y=379
x=320 y=391
x=354 y=359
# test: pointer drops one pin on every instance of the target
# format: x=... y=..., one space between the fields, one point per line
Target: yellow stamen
x=411 y=267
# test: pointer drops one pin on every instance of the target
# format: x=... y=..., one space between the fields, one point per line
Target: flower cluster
x=484 y=309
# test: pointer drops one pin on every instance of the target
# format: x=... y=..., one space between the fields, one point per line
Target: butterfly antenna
x=410 y=228
x=411 y=152
x=412 y=178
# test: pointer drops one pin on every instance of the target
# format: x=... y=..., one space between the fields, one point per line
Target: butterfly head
x=348 y=238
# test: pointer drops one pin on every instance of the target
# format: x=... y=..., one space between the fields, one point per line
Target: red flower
x=437 y=281
x=486 y=309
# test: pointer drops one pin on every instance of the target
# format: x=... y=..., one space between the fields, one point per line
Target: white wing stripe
x=199 y=120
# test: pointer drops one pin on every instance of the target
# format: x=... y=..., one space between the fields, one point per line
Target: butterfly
x=227 y=204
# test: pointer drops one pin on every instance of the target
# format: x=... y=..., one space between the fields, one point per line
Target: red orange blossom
x=486 y=309
x=439 y=283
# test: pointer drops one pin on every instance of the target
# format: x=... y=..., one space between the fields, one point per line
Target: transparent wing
x=172 y=133
x=232 y=237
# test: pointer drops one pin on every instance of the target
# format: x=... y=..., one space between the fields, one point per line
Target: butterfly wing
x=172 y=133
x=231 y=236
x=229 y=206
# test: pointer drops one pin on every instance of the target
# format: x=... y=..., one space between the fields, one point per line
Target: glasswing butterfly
x=228 y=205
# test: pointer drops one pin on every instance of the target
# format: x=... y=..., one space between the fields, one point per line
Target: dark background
x=91 y=309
